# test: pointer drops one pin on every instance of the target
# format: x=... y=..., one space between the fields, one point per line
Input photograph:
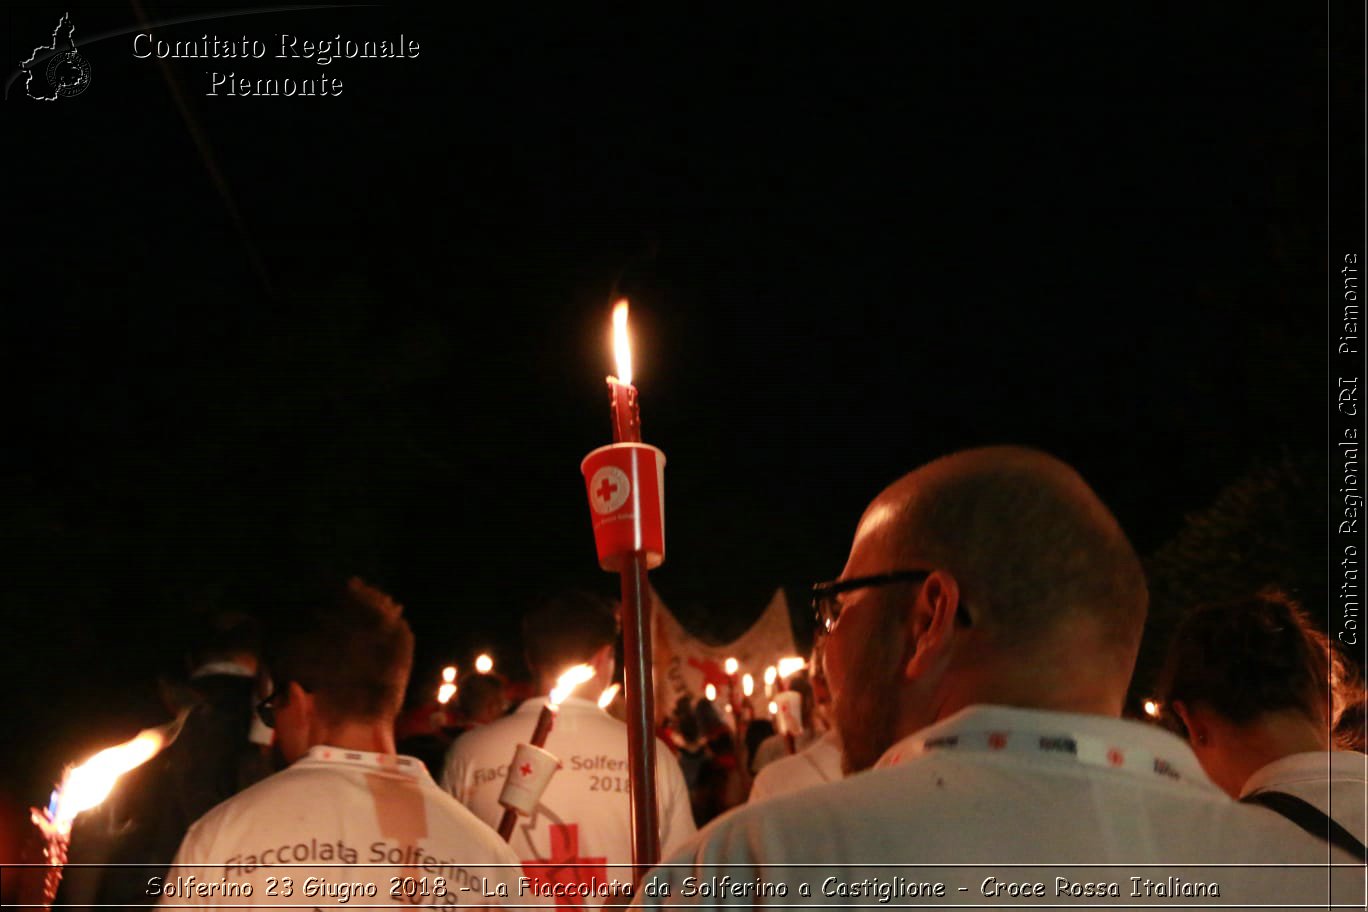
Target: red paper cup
x=528 y=776
x=626 y=487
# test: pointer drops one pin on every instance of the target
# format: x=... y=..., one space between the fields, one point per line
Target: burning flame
x=85 y=786
x=568 y=682
x=449 y=674
x=790 y=664
x=731 y=665
x=770 y=674
x=1152 y=709
x=609 y=695
x=710 y=692
x=445 y=693
x=622 y=345
x=773 y=708
x=747 y=684
x=484 y=664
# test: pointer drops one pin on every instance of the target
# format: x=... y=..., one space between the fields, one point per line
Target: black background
x=852 y=243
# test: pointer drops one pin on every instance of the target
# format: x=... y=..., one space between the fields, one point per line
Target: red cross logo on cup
x=1115 y=757
x=610 y=488
x=525 y=769
x=997 y=740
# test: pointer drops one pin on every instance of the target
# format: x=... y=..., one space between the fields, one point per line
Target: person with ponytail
x=1260 y=694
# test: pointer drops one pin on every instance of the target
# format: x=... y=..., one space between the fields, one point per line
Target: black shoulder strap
x=1310 y=818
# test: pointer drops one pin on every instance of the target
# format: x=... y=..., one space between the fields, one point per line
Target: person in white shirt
x=982 y=637
x=1258 y=691
x=348 y=822
x=820 y=761
x=583 y=819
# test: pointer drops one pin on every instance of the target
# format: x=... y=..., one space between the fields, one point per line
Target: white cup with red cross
x=528 y=776
x=790 y=716
x=626 y=487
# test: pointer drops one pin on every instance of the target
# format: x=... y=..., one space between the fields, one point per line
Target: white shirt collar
x=1314 y=766
x=222 y=668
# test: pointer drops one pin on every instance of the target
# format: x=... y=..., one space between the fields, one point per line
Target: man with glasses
x=348 y=822
x=981 y=641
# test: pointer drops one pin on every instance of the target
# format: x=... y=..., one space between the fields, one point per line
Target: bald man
x=982 y=637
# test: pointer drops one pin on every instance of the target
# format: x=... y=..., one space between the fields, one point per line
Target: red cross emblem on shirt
x=565 y=867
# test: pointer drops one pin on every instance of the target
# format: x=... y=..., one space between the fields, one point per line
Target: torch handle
x=543 y=729
x=636 y=635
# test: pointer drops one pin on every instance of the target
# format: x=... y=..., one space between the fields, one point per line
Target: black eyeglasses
x=266 y=708
x=827 y=607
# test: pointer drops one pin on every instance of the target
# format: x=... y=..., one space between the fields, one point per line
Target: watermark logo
x=66 y=73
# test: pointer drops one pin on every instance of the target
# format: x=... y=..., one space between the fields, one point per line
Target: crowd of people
x=963 y=705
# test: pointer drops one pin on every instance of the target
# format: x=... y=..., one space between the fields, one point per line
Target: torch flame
x=731 y=665
x=710 y=692
x=747 y=684
x=773 y=708
x=609 y=695
x=770 y=674
x=484 y=664
x=622 y=345
x=1152 y=709
x=445 y=693
x=449 y=674
x=791 y=664
x=86 y=785
x=568 y=682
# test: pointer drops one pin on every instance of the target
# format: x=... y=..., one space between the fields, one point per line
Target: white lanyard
x=1059 y=746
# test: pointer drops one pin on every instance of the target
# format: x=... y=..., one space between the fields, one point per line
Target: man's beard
x=865 y=709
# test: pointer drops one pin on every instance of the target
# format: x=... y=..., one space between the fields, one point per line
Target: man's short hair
x=567 y=629
x=224 y=636
x=1032 y=547
x=479 y=694
x=348 y=645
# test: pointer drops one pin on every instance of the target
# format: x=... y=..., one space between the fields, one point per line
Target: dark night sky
x=852 y=244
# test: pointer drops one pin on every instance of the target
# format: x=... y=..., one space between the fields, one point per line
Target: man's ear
x=931 y=623
x=603 y=662
x=300 y=697
x=1195 y=721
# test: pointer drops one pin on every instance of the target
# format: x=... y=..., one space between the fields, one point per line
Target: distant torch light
x=770 y=674
x=773 y=708
x=747 y=684
x=445 y=693
x=484 y=664
x=791 y=665
x=731 y=665
x=710 y=692
x=449 y=674
x=1152 y=709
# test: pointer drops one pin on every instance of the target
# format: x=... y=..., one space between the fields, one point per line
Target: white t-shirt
x=775 y=748
x=817 y=764
x=994 y=796
x=305 y=835
x=1334 y=781
x=584 y=817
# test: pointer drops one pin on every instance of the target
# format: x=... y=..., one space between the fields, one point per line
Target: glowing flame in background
x=790 y=665
x=567 y=682
x=484 y=664
x=731 y=665
x=773 y=708
x=622 y=345
x=1152 y=709
x=747 y=684
x=710 y=692
x=770 y=674
x=445 y=693
x=449 y=674
x=609 y=695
